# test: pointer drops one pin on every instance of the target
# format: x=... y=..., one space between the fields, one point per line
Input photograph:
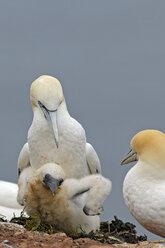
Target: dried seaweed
x=125 y=232
x=3 y=219
x=112 y=232
x=35 y=224
x=115 y=232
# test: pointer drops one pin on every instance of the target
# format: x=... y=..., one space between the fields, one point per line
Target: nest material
x=115 y=232
x=112 y=232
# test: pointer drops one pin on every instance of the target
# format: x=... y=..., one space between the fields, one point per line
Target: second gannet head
x=46 y=94
x=51 y=176
x=147 y=146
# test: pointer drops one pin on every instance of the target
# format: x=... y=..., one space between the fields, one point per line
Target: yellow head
x=48 y=91
x=147 y=146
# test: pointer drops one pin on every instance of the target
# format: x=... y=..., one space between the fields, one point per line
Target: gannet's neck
x=144 y=169
x=62 y=111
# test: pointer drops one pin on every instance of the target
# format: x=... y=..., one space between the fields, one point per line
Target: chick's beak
x=51 y=183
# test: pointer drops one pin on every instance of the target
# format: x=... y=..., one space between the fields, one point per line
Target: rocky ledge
x=16 y=236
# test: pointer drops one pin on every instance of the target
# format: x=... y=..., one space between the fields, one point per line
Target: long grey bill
x=51 y=117
x=130 y=157
x=53 y=123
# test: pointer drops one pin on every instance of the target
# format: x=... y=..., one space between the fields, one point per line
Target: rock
x=11 y=226
x=15 y=236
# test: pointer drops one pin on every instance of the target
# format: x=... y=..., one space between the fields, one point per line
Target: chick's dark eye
x=60 y=182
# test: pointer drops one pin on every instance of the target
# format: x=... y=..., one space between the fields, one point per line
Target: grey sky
x=109 y=56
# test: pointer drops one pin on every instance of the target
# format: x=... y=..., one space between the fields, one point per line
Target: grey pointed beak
x=51 y=182
x=53 y=123
x=130 y=157
x=51 y=116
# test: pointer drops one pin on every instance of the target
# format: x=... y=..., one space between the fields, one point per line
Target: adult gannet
x=54 y=135
x=66 y=203
x=144 y=184
x=8 y=203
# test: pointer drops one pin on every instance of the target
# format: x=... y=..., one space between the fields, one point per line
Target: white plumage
x=144 y=184
x=23 y=179
x=54 y=135
x=24 y=158
x=9 y=213
x=8 y=203
x=66 y=204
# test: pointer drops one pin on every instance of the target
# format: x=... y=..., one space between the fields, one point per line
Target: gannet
x=54 y=135
x=8 y=203
x=144 y=184
x=72 y=205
